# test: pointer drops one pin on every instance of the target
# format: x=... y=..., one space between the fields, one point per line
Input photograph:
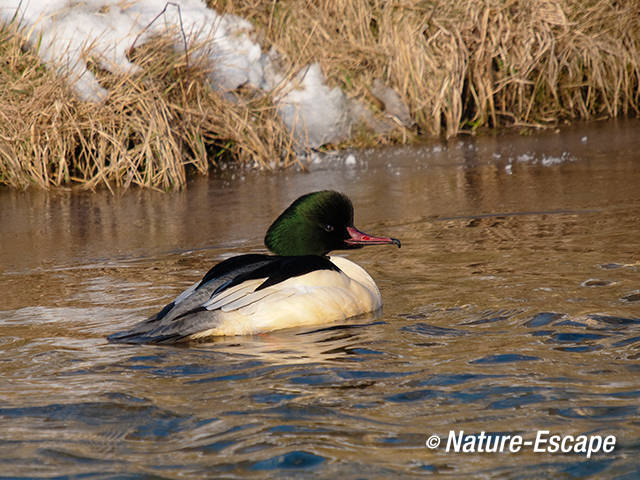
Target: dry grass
x=469 y=64
x=459 y=66
x=153 y=128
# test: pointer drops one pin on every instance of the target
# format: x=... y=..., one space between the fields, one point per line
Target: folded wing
x=230 y=285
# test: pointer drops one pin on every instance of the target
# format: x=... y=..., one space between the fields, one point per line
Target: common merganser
x=254 y=293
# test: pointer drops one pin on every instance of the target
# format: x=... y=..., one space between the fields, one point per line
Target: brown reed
x=459 y=66
x=152 y=130
x=468 y=64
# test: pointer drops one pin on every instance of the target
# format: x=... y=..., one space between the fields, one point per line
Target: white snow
x=66 y=33
x=350 y=161
x=314 y=112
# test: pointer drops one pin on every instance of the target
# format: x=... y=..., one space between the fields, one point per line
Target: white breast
x=322 y=296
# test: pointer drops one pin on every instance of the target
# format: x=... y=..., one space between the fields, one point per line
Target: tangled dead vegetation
x=458 y=66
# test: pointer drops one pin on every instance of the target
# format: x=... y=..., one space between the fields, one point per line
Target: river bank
x=456 y=68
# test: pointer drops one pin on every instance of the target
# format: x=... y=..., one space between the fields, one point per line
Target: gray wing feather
x=169 y=325
x=203 y=294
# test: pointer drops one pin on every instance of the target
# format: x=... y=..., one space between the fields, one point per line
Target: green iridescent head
x=317 y=223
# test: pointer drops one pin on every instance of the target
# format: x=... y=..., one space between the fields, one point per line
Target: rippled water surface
x=513 y=306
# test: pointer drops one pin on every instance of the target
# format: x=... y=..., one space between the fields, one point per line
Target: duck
x=299 y=284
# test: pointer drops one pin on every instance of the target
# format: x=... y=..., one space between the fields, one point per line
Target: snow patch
x=350 y=161
x=315 y=113
x=67 y=33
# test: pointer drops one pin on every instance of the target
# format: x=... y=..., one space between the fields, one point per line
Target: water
x=513 y=306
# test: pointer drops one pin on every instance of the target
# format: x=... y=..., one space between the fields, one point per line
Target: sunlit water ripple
x=513 y=306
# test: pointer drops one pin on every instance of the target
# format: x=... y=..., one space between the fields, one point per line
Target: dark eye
x=328 y=228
